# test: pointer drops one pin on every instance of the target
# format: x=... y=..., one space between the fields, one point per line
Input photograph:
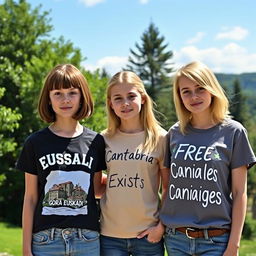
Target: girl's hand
x=231 y=251
x=154 y=234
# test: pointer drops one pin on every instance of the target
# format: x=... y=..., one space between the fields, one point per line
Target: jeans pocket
x=41 y=237
x=90 y=235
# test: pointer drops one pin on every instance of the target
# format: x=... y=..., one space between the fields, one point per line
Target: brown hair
x=65 y=76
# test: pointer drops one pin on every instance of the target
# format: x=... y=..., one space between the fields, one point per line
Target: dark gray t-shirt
x=201 y=163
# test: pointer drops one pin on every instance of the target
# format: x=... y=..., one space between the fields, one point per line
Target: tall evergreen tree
x=151 y=61
x=238 y=107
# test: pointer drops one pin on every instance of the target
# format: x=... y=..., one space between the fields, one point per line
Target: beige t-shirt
x=131 y=204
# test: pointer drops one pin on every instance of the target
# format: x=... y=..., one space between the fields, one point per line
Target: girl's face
x=126 y=101
x=65 y=102
x=195 y=98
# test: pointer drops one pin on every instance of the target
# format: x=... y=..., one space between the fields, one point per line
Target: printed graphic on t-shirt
x=206 y=191
x=66 y=193
x=122 y=179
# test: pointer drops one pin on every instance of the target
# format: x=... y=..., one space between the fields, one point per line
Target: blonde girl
x=208 y=155
x=60 y=215
x=134 y=155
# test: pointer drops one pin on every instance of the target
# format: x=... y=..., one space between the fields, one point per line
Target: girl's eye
x=132 y=96
x=56 y=93
x=185 y=92
x=201 y=89
x=117 y=98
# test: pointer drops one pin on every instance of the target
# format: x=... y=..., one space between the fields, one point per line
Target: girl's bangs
x=64 y=81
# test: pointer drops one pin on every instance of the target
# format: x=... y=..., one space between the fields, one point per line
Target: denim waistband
x=66 y=232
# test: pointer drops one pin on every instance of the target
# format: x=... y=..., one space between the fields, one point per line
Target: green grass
x=10 y=239
x=10 y=242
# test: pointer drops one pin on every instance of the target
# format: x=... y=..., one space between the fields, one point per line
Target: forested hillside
x=247 y=82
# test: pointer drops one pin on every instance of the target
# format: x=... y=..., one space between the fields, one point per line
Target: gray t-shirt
x=200 y=162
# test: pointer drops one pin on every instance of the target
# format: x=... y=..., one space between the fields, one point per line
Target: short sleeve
x=26 y=161
x=101 y=154
x=162 y=149
x=242 y=152
x=167 y=157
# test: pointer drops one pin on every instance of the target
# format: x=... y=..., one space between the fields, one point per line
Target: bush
x=249 y=230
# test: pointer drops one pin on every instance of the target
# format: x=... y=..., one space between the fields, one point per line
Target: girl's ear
x=110 y=103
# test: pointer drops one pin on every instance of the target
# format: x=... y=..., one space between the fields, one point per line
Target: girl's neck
x=202 y=122
x=131 y=127
x=66 y=128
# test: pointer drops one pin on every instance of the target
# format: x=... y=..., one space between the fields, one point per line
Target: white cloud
x=198 y=37
x=232 y=58
x=234 y=33
x=143 y=1
x=90 y=3
x=112 y=64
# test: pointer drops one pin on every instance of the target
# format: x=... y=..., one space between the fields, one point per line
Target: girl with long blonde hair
x=135 y=145
x=208 y=154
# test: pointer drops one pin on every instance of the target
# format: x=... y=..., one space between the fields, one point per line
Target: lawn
x=10 y=239
x=10 y=242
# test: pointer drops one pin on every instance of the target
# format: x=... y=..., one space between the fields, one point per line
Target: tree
x=151 y=61
x=238 y=107
x=8 y=122
x=27 y=54
x=239 y=111
x=165 y=108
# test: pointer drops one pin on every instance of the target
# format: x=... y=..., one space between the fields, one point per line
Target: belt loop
x=173 y=230
x=79 y=233
x=52 y=233
x=206 y=234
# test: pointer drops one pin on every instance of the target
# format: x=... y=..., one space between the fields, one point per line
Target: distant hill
x=247 y=80
x=248 y=84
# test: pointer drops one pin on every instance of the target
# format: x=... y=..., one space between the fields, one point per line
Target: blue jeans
x=111 y=246
x=66 y=242
x=178 y=244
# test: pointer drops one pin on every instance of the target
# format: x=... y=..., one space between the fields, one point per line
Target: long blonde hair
x=147 y=117
x=203 y=76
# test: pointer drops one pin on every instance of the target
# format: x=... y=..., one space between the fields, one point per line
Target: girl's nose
x=66 y=98
x=126 y=102
x=194 y=94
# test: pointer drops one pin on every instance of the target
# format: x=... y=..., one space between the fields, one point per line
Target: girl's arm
x=239 y=194
x=30 y=200
x=100 y=181
x=165 y=175
x=155 y=234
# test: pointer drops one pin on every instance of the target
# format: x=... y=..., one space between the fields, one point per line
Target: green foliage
x=27 y=55
x=8 y=122
x=247 y=82
x=238 y=106
x=151 y=61
x=97 y=84
x=249 y=230
x=166 y=109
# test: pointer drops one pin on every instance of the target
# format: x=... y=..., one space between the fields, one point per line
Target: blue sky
x=222 y=34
